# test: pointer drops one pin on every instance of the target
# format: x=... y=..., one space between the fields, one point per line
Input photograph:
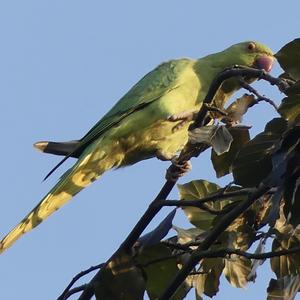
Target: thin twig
x=237 y=71
x=76 y=278
x=218 y=196
x=75 y=291
x=176 y=246
x=163 y=258
x=227 y=252
x=197 y=273
x=224 y=252
x=260 y=97
x=215 y=109
x=196 y=203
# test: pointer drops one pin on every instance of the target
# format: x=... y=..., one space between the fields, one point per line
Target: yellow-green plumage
x=137 y=127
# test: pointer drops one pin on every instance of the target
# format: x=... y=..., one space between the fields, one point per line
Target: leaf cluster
x=266 y=169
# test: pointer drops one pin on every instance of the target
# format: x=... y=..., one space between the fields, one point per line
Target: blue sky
x=63 y=64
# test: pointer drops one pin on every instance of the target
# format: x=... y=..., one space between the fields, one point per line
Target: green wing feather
x=150 y=88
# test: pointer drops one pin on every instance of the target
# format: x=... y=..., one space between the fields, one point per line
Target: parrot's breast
x=148 y=131
x=159 y=137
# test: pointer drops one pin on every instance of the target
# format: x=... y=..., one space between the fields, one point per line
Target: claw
x=182 y=169
x=184 y=117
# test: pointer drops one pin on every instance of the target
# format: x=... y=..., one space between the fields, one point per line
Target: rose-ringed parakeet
x=139 y=126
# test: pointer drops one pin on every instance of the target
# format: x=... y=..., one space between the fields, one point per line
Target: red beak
x=264 y=63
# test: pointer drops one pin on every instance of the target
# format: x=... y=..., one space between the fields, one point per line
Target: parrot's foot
x=182 y=169
x=184 y=117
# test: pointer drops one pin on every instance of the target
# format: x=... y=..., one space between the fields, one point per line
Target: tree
x=261 y=204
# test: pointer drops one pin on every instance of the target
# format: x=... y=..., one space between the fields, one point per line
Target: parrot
x=150 y=120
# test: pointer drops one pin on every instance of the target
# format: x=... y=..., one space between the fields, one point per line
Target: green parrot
x=141 y=124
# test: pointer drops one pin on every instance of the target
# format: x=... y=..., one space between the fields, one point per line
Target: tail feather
x=82 y=174
x=58 y=148
x=45 y=208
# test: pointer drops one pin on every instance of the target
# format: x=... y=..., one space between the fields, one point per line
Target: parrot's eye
x=251 y=46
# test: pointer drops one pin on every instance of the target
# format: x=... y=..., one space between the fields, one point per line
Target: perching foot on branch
x=177 y=169
x=184 y=117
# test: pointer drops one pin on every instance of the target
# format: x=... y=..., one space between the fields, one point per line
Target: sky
x=63 y=64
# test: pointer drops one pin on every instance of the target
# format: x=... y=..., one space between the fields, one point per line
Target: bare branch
x=66 y=292
x=260 y=97
x=228 y=252
x=74 y=291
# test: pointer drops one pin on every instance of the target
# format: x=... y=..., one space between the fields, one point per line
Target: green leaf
x=239 y=107
x=294 y=89
x=276 y=126
x=290 y=108
x=222 y=163
x=208 y=282
x=189 y=235
x=292 y=201
x=217 y=136
x=202 y=134
x=221 y=141
x=121 y=280
x=156 y=235
x=160 y=273
x=286 y=173
x=196 y=190
x=286 y=265
x=253 y=162
x=289 y=59
x=255 y=263
x=237 y=269
x=269 y=212
x=284 y=288
x=239 y=235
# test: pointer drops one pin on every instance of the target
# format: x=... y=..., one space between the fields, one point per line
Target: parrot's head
x=251 y=54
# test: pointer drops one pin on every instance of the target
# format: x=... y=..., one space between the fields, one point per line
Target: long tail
x=83 y=173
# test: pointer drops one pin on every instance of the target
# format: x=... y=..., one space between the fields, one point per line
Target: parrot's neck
x=214 y=64
x=208 y=67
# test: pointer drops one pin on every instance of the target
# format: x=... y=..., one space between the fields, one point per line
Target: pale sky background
x=63 y=64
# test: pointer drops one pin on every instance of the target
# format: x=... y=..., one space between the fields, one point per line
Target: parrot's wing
x=151 y=87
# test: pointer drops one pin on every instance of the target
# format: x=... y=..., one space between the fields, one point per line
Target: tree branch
x=74 y=291
x=210 y=239
x=66 y=292
x=224 y=252
x=193 y=203
x=163 y=258
x=237 y=71
x=260 y=97
x=227 y=251
x=218 y=196
x=188 y=152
